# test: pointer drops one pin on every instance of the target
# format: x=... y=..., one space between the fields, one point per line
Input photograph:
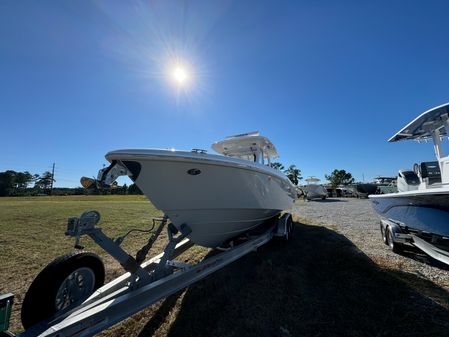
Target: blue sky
x=327 y=81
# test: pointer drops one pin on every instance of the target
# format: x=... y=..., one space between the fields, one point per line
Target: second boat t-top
x=421 y=205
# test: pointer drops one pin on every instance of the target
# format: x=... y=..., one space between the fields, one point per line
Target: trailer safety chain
x=142 y=253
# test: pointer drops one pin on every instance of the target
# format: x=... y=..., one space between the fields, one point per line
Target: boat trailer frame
x=401 y=235
x=147 y=282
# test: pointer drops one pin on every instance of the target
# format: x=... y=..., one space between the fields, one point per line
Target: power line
x=52 y=178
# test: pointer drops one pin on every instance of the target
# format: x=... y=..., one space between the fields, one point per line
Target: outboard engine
x=407 y=181
x=428 y=172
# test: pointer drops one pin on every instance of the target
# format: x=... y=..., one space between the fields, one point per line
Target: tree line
x=17 y=183
x=14 y=183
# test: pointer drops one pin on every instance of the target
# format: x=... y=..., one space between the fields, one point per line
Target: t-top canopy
x=423 y=126
x=312 y=180
x=245 y=144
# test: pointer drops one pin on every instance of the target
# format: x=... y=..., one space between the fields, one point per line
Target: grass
x=318 y=284
x=32 y=234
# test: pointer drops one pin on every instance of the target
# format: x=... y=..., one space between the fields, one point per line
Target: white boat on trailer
x=219 y=196
x=232 y=200
x=313 y=190
x=419 y=212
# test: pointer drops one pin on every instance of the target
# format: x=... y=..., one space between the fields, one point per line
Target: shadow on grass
x=318 y=284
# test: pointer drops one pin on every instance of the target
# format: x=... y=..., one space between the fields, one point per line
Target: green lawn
x=32 y=234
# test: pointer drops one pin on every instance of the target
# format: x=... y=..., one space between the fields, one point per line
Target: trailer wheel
x=62 y=285
x=291 y=227
x=383 y=233
x=394 y=246
x=288 y=235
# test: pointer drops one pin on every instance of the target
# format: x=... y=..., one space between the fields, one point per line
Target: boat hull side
x=428 y=213
x=314 y=191
x=216 y=201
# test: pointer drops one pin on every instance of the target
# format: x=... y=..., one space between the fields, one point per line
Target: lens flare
x=180 y=75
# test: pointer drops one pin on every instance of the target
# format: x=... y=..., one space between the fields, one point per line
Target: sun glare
x=180 y=75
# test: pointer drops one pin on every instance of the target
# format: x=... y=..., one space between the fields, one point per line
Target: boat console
x=424 y=175
x=429 y=172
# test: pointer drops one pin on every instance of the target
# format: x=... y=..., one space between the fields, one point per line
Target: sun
x=180 y=75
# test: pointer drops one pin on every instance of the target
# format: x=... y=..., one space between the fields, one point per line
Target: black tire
x=383 y=233
x=287 y=231
x=394 y=246
x=286 y=237
x=290 y=228
x=40 y=302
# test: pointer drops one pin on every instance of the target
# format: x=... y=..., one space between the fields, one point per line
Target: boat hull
x=314 y=191
x=218 y=199
x=363 y=190
x=426 y=211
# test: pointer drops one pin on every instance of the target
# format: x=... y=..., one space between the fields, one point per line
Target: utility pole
x=52 y=178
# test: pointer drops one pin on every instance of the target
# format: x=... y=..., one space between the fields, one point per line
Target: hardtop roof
x=422 y=126
x=245 y=144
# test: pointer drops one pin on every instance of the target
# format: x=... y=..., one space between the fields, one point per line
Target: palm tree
x=294 y=174
x=277 y=166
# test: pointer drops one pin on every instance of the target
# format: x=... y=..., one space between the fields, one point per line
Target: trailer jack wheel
x=62 y=285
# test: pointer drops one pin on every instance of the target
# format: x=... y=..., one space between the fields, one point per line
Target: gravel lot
x=356 y=220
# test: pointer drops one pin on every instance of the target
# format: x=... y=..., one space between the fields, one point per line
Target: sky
x=327 y=81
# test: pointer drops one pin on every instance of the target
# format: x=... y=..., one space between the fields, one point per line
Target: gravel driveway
x=355 y=219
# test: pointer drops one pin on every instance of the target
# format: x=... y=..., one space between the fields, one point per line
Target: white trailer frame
x=401 y=235
x=149 y=282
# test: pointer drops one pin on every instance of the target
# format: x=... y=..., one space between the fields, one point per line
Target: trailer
x=396 y=235
x=68 y=297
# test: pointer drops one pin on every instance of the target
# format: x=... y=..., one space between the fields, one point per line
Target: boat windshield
x=250 y=157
